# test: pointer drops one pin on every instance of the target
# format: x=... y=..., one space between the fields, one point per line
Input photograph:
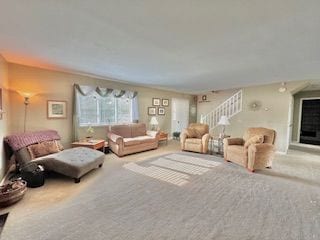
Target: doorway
x=180 y=114
x=310 y=121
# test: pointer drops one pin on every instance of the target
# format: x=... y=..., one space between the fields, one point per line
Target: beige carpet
x=218 y=201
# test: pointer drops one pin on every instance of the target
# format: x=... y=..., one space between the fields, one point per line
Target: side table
x=216 y=142
x=163 y=136
x=97 y=144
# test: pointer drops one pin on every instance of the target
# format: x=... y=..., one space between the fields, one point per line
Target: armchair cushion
x=193 y=133
x=258 y=139
x=194 y=140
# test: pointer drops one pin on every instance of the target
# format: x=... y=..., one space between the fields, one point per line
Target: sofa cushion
x=130 y=141
x=194 y=141
x=146 y=139
x=138 y=140
x=121 y=130
x=254 y=140
x=138 y=129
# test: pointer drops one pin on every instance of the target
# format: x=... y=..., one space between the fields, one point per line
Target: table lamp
x=154 y=122
x=224 y=121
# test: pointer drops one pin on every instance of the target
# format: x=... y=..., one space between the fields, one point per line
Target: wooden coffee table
x=97 y=144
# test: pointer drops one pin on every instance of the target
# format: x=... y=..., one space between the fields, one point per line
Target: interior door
x=180 y=114
x=310 y=122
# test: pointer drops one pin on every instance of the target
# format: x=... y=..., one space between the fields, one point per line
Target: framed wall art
x=165 y=102
x=155 y=101
x=161 y=111
x=56 y=109
x=151 y=111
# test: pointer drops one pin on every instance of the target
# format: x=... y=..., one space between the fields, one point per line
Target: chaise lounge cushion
x=74 y=162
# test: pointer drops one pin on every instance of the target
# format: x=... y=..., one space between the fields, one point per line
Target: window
x=96 y=110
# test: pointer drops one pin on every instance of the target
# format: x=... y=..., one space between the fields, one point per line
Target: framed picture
x=0 y=103
x=56 y=109
x=165 y=102
x=161 y=111
x=155 y=101
x=151 y=111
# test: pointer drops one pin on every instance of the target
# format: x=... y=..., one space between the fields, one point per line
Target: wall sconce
x=26 y=96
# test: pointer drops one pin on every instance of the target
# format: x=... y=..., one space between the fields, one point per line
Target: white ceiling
x=185 y=45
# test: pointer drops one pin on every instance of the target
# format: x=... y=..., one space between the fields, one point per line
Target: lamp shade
x=26 y=94
x=224 y=121
x=154 y=121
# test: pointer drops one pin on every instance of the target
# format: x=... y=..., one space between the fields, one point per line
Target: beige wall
x=276 y=117
x=296 y=111
x=53 y=85
x=5 y=106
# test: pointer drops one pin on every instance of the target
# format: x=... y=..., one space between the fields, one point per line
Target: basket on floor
x=12 y=192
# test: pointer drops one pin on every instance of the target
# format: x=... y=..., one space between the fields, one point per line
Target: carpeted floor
x=219 y=200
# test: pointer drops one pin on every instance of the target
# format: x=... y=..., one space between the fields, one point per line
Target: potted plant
x=90 y=132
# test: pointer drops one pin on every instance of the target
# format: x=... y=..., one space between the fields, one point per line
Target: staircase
x=229 y=108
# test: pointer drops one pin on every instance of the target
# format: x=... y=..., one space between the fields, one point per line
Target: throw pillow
x=60 y=147
x=51 y=146
x=254 y=140
x=37 y=150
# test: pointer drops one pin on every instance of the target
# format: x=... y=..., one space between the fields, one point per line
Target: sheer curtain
x=102 y=92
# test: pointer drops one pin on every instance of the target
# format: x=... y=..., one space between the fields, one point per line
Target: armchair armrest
x=153 y=134
x=262 y=147
x=260 y=156
x=183 y=137
x=115 y=138
x=233 y=141
x=205 y=142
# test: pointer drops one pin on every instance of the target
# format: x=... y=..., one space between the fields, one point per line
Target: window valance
x=104 y=92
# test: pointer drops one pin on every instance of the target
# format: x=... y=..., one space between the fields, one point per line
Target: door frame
x=300 y=114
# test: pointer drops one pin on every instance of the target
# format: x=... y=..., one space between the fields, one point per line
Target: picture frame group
x=160 y=102
x=158 y=106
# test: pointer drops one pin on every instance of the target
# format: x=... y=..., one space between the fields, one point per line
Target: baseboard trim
x=281 y=153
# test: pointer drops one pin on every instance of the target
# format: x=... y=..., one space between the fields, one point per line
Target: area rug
x=179 y=196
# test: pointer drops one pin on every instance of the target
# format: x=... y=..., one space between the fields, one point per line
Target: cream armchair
x=254 y=151
x=195 y=138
